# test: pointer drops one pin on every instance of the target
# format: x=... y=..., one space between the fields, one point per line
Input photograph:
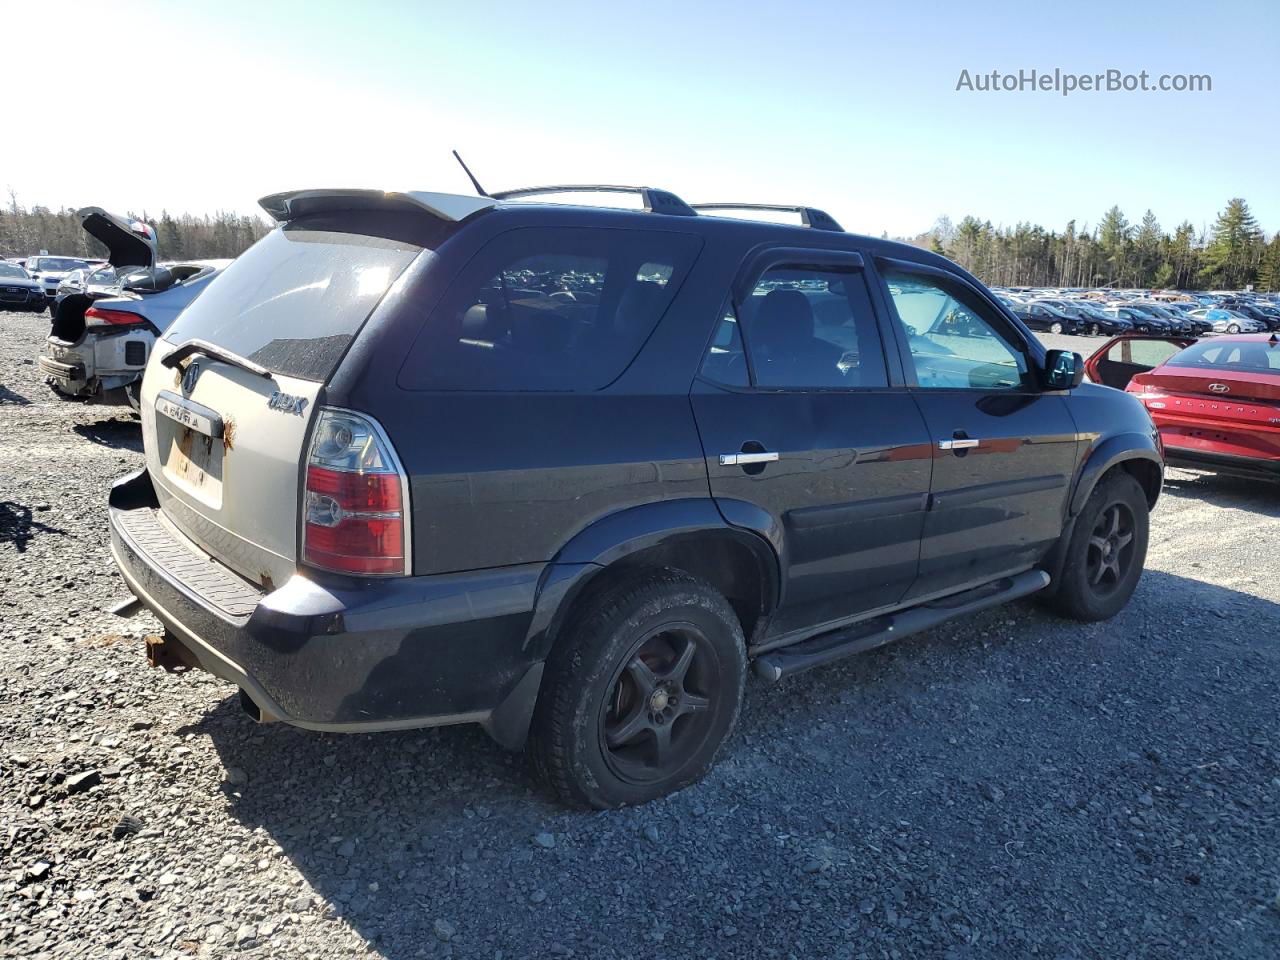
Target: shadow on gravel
x=1221 y=490
x=1009 y=785
x=19 y=528
x=119 y=433
x=7 y=396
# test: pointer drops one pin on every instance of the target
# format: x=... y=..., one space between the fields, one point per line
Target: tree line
x=26 y=231
x=1233 y=253
x=1230 y=255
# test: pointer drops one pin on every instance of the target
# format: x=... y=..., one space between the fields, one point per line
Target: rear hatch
x=226 y=425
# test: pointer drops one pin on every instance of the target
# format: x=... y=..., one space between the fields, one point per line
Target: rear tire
x=1106 y=552
x=133 y=394
x=640 y=694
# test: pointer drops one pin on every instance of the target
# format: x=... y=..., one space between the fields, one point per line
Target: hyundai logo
x=189 y=377
x=1219 y=388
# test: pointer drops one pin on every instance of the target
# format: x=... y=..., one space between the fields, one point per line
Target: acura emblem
x=1219 y=387
x=189 y=377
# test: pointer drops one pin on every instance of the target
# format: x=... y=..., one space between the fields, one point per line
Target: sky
x=849 y=106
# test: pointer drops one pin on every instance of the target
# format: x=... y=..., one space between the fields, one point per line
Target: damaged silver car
x=101 y=338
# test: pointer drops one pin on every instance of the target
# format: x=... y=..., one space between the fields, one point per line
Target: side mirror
x=1063 y=370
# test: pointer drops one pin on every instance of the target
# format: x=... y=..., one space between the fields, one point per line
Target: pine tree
x=1231 y=259
x=1146 y=248
x=169 y=240
x=1113 y=238
x=1269 y=272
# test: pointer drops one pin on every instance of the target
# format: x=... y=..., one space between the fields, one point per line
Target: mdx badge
x=287 y=403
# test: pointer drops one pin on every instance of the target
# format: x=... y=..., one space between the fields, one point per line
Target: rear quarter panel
x=509 y=478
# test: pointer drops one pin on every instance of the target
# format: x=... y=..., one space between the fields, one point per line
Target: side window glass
x=726 y=361
x=557 y=309
x=953 y=343
x=809 y=327
x=1151 y=353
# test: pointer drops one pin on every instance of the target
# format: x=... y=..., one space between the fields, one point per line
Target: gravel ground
x=1009 y=786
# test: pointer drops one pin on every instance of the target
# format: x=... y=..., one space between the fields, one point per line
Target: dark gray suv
x=566 y=472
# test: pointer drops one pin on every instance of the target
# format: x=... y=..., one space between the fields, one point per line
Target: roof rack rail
x=655 y=201
x=809 y=216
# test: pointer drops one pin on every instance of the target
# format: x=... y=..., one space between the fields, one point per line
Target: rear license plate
x=192 y=435
x=195 y=461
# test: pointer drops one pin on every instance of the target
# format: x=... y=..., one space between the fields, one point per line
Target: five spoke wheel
x=656 y=713
x=1110 y=544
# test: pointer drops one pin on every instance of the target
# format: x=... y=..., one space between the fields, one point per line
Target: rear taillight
x=354 y=515
x=98 y=316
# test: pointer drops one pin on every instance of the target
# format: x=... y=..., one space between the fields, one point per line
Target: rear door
x=1004 y=450
x=1115 y=362
x=805 y=423
x=226 y=428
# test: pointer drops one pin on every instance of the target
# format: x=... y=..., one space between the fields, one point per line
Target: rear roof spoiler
x=447 y=206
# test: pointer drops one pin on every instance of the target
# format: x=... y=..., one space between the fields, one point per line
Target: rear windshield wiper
x=217 y=353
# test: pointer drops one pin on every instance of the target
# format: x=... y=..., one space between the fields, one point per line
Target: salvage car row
x=1094 y=312
x=569 y=472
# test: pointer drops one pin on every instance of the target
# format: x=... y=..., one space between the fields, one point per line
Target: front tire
x=1106 y=552
x=1233 y=328
x=1055 y=327
x=640 y=694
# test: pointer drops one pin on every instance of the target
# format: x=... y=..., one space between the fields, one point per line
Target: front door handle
x=963 y=443
x=743 y=459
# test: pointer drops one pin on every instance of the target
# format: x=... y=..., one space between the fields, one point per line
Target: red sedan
x=1216 y=401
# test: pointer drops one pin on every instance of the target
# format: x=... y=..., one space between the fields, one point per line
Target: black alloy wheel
x=658 y=712
x=1110 y=551
x=640 y=692
x=1104 y=553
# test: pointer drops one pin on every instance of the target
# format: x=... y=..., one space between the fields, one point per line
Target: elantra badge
x=287 y=403
x=1219 y=387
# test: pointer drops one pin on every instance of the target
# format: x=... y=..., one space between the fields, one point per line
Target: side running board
x=827 y=647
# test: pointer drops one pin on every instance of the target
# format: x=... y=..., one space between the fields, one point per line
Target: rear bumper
x=69 y=377
x=340 y=655
x=1250 y=467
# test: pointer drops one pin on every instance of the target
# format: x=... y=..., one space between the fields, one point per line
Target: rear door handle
x=958 y=444
x=743 y=459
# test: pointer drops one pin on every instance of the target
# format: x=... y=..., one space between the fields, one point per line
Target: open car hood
x=130 y=243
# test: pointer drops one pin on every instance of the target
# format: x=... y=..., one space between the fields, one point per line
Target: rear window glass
x=294 y=301
x=556 y=309
x=1253 y=355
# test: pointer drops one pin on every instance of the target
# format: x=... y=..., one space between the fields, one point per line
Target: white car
x=51 y=270
x=100 y=339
